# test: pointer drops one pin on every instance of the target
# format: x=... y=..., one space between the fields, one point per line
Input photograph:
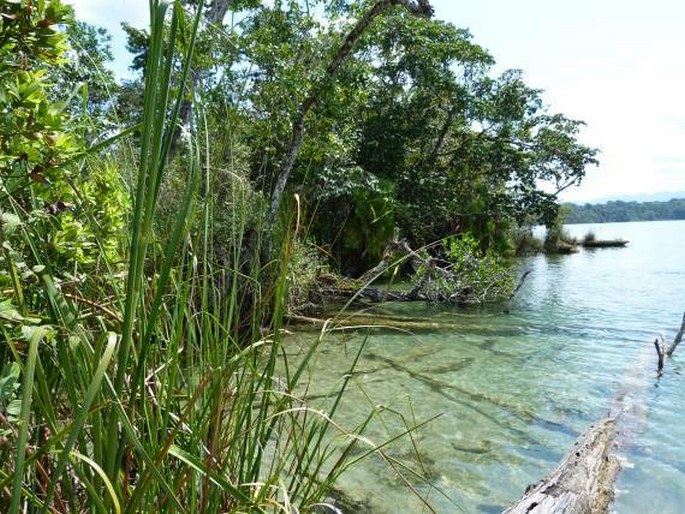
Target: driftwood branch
x=678 y=338
x=663 y=352
x=583 y=481
x=522 y=281
x=660 y=353
x=394 y=251
x=437 y=281
x=388 y=259
x=398 y=249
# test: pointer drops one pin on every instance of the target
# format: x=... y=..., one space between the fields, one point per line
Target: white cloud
x=614 y=64
x=110 y=14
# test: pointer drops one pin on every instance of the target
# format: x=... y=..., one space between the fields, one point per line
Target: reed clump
x=149 y=374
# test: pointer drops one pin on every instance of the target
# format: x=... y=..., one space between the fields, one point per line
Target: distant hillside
x=663 y=196
x=625 y=211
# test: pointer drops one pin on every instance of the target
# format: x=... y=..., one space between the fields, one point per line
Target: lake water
x=514 y=385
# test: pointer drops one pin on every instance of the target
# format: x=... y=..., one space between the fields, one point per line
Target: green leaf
x=14 y=408
x=8 y=312
x=10 y=222
x=28 y=332
x=9 y=381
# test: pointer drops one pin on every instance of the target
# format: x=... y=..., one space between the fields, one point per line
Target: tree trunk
x=417 y=8
x=214 y=15
x=217 y=11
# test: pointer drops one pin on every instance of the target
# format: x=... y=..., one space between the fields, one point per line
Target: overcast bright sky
x=616 y=64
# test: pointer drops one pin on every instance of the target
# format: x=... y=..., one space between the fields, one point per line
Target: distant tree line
x=625 y=211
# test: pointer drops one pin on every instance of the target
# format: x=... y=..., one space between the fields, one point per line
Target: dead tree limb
x=389 y=258
x=678 y=338
x=583 y=481
x=660 y=354
x=663 y=352
x=522 y=280
x=399 y=249
x=395 y=251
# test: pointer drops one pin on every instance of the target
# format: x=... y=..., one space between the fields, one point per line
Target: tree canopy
x=377 y=115
x=412 y=131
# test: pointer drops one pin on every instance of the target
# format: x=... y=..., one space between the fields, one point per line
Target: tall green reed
x=168 y=389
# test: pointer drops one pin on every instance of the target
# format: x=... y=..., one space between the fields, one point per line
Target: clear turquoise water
x=514 y=385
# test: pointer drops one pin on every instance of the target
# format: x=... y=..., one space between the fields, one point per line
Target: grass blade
x=36 y=335
x=93 y=390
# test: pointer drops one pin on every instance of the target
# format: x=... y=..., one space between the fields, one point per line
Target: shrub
x=525 y=242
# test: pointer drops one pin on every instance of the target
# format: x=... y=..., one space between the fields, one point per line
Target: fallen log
x=584 y=480
x=436 y=281
x=396 y=251
x=583 y=483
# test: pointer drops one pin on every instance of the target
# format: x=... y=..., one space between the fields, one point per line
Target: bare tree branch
x=678 y=338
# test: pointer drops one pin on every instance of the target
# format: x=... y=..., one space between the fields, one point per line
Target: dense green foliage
x=130 y=379
x=473 y=275
x=412 y=132
x=143 y=278
x=617 y=211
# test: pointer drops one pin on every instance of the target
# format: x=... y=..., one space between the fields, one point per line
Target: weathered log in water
x=363 y=321
x=583 y=483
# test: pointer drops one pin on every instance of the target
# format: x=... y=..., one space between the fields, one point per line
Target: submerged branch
x=678 y=338
x=522 y=281
x=660 y=355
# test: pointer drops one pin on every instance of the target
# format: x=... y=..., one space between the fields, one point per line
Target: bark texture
x=665 y=352
x=583 y=483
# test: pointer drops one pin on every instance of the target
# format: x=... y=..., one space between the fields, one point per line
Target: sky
x=618 y=65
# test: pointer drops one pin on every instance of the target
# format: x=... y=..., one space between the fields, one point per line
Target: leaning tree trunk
x=215 y=13
x=417 y=8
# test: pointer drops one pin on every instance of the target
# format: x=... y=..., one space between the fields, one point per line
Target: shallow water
x=513 y=386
